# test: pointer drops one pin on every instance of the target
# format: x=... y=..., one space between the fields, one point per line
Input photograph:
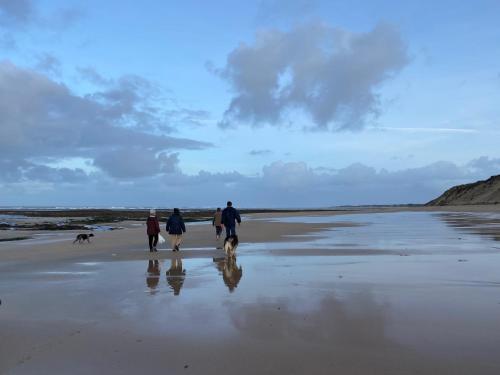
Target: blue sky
x=269 y=103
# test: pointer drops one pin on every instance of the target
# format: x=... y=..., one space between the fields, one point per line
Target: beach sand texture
x=378 y=291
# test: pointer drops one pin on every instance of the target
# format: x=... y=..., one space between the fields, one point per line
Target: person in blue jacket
x=175 y=228
x=230 y=216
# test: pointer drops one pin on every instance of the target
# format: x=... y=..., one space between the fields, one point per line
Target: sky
x=267 y=103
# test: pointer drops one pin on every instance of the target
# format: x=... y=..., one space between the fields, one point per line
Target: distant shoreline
x=138 y=211
x=69 y=219
x=89 y=217
x=102 y=215
x=134 y=214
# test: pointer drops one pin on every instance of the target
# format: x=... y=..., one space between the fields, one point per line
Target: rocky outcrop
x=480 y=192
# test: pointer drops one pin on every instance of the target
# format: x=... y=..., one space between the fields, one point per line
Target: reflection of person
x=229 y=218
x=175 y=228
x=153 y=276
x=231 y=273
x=153 y=230
x=217 y=222
x=176 y=275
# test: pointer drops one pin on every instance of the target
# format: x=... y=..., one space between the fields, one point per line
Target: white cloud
x=48 y=63
x=22 y=13
x=328 y=73
x=18 y=16
x=16 y=11
x=91 y=75
x=260 y=152
x=118 y=163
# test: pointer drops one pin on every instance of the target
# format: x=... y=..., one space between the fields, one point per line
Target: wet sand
x=371 y=292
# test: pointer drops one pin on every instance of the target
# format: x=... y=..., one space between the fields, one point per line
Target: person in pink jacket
x=153 y=230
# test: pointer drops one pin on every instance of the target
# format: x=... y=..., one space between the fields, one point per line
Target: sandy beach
x=372 y=291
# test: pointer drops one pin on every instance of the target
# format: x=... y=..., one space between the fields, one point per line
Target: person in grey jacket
x=175 y=228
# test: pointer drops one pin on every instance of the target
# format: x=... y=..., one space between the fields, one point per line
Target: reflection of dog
x=82 y=237
x=230 y=271
x=230 y=245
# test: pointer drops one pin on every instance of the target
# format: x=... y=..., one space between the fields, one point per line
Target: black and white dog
x=82 y=237
x=230 y=245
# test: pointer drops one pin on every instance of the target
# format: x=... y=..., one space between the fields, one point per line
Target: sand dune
x=480 y=192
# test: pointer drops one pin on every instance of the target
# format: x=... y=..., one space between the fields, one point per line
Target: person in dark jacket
x=230 y=216
x=153 y=230
x=175 y=228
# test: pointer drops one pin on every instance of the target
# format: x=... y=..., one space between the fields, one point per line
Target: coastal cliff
x=480 y=192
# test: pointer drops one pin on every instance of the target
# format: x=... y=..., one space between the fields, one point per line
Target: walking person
x=230 y=216
x=217 y=222
x=153 y=230
x=175 y=228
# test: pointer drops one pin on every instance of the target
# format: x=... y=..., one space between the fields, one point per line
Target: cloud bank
x=328 y=73
x=120 y=130
x=280 y=184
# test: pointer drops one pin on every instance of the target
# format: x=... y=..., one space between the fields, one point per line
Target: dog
x=82 y=237
x=230 y=245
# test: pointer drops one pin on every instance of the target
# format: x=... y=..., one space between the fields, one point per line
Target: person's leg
x=178 y=241
x=228 y=231
x=173 y=241
x=150 y=237
x=232 y=230
x=155 y=242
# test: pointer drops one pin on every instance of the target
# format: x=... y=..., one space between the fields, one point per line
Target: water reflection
x=153 y=276
x=231 y=272
x=479 y=223
x=176 y=275
x=395 y=232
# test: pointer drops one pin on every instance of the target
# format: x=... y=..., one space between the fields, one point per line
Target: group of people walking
x=228 y=217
